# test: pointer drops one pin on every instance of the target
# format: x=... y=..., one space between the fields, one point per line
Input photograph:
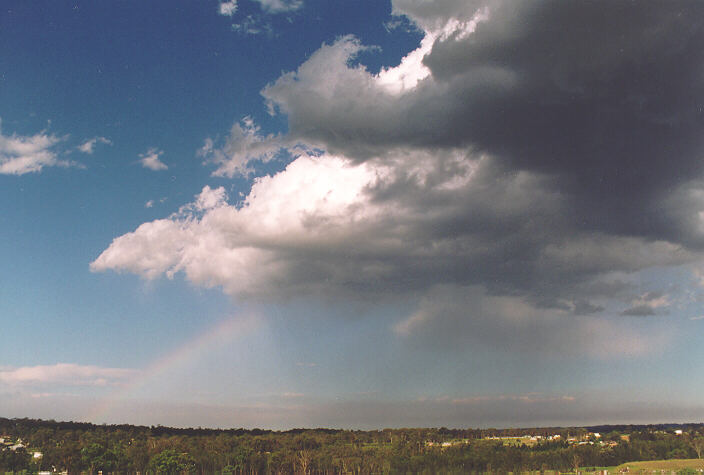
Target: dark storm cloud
x=606 y=95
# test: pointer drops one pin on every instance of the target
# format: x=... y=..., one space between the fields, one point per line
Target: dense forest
x=37 y=445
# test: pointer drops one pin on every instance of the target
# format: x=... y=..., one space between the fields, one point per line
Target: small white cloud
x=150 y=160
x=65 y=374
x=700 y=317
x=278 y=6
x=29 y=154
x=228 y=8
x=151 y=203
x=253 y=25
x=89 y=145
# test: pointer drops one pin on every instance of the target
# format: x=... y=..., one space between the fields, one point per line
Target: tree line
x=88 y=448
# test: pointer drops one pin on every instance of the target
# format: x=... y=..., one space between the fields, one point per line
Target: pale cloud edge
x=89 y=145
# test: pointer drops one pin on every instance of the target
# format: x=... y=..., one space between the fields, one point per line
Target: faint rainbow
x=218 y=335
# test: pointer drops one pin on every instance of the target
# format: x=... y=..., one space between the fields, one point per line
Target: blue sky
x=362 y=214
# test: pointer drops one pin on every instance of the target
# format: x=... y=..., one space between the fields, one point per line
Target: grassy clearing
x=674 y=464
x=517 y=441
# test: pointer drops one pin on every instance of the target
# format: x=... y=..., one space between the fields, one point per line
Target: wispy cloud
x=89 y=145
x=253 y=25
x=65 y=374
x=529 y=398
x=278 y=6
x=229 y=7
x=20 y=154
x=150 y=159
x=245 y=144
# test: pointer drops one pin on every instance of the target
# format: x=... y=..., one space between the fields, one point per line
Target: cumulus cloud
x=29 y=154
x=64 y=374
x=537 y=87
x=327 y=225
x=89 y=145
x=290 y=210
x=150 y=159
x=531 y=157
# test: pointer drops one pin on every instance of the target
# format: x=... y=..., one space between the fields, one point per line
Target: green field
x=674 y=464
x=650 y=466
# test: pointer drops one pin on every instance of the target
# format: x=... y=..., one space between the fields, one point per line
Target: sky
x=369 y=214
